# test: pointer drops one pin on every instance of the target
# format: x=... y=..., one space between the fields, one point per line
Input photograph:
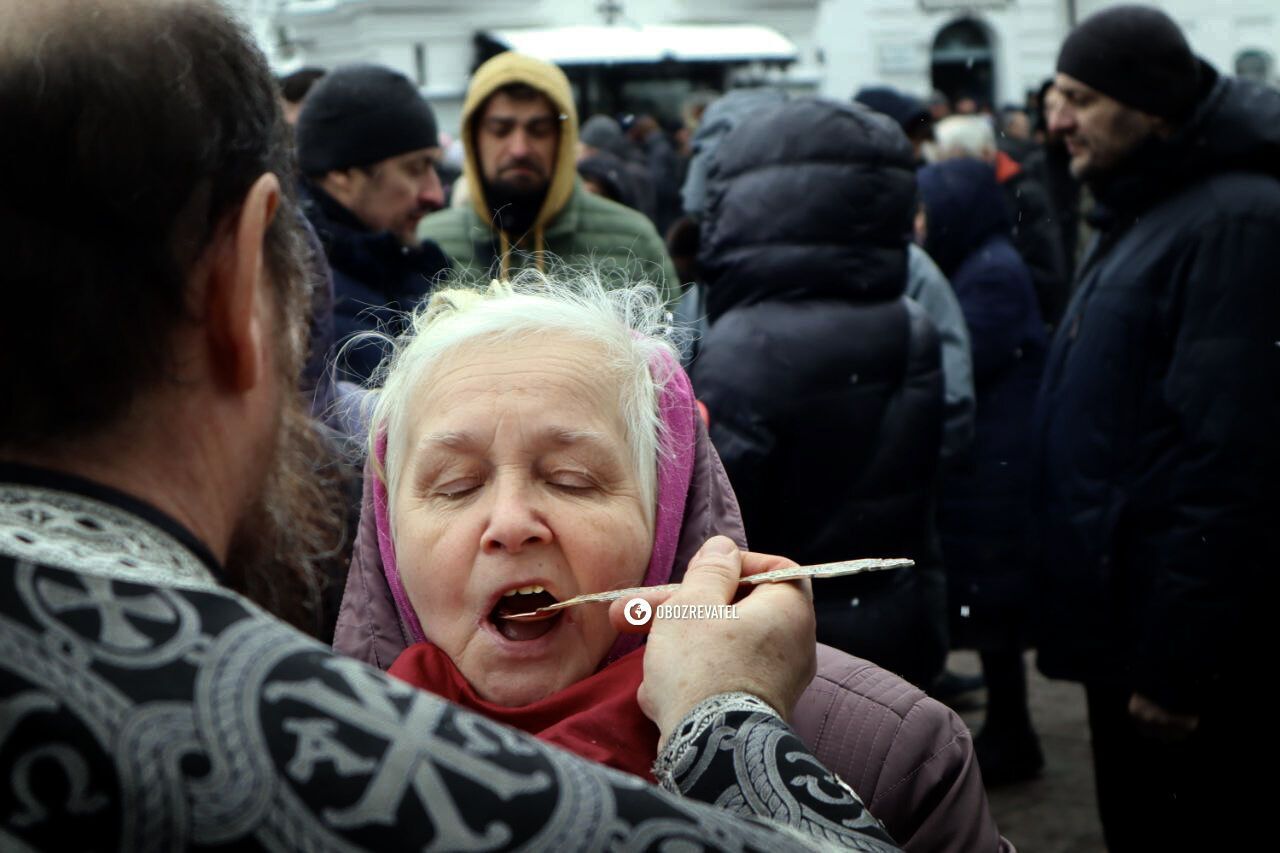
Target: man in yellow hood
x=528 y=206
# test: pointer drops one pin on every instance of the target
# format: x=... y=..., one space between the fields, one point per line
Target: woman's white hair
x=965 y=136
x=629 y=323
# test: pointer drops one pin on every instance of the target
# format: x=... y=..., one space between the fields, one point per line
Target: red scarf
x=597 y=717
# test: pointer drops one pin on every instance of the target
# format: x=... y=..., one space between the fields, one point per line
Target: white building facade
x=433 y=42
x=997 y=50
x=993 y=50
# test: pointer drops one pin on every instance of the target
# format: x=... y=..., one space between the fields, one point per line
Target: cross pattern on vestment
x=413 y=757
x=114 y=612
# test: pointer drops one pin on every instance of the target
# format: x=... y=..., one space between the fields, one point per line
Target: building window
x=420 y=63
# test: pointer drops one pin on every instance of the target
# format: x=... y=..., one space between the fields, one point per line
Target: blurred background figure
x=294 y=88
x=1052 y=162
x=984 y=513
x=823 y=382
x=449 y=165
x=367 y=148
x=928 y=287
x=939 y=105
x=691 y=112
x=601 y=139
x=604 y=175
x=1035 y=234
x=664 y=168
x=1015 y=123
x=915 y=119
x=527 y=204
x=1013 y=133
x=683 y=237
x=720 y=117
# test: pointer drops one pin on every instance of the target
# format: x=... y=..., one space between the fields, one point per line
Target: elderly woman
x=535 y=442
x=523 y=466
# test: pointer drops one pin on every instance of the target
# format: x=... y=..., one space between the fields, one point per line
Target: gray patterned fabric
x=143 y=707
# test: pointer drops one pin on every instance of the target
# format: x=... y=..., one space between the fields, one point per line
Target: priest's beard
x=293 y=537
x=514 y=209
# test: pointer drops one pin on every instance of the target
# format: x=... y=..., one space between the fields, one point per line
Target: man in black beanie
x=367 y=150
x=1148 y=80
x=1159 y=467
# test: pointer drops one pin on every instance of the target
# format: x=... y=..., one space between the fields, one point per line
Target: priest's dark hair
x=131 y=132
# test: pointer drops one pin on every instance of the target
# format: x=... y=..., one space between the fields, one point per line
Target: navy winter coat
x=984 y=515
x=824 y=383
x=375 y=278
x=1159 y=462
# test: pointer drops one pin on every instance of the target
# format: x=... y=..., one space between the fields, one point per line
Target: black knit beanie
x=361 y=114
x=1136 y=55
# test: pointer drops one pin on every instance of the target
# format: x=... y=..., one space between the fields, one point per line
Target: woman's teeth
x=524 y=590
x=527 y=628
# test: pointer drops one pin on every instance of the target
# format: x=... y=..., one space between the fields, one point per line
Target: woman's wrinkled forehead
x=484 y=380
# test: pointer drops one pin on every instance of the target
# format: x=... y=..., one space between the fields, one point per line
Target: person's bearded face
x=1100 y=133
x=296 y=523
x=517 y=142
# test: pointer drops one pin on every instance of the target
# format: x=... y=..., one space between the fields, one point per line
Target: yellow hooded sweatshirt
x=572 y=225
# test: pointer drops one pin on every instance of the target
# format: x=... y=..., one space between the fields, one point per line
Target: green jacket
x=572 y=226
x=589 y=229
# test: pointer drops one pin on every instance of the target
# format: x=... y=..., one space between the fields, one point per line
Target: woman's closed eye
x=458 y=488
x=571 y=481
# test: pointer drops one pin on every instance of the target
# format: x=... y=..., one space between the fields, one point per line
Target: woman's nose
x=515 y=522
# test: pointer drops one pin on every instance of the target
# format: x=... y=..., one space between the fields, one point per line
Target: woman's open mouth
x=524 y=600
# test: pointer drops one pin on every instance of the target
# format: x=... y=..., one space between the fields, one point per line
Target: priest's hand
x=769 y=650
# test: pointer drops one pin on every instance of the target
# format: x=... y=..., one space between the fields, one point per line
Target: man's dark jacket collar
x=376 y=258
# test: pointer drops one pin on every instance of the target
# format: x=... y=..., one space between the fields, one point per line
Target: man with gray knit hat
x=367 y=150
x=1159 y=468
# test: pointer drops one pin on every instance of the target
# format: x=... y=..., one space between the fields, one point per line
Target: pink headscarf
x=678 y=410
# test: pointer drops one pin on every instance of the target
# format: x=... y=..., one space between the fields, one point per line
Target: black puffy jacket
x=1159 y=462
x=823 y=382
x=983 y=517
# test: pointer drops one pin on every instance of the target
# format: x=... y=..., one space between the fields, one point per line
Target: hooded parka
x=572 y=225
x=823 y=382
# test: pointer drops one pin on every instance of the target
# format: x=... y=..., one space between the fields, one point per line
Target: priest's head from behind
x=150 y=257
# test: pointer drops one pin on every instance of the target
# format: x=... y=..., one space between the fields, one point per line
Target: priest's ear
x=237 y=294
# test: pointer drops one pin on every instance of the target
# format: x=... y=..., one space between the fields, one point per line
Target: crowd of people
x=330 y=409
